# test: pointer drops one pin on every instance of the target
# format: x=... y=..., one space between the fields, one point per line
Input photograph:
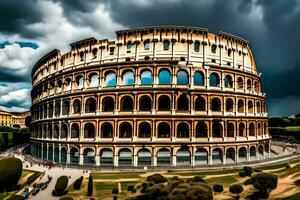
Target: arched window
x=90 y=105
x=64 y=131
x=196 y=46
x=56 y=132
x=240 y=106
x=108 y=104
x=144 y=130
x=76 y=106
x=66 y=107
x=126 y=104
x=59 y=86
x=198 y=78
x=250 y=106
x=258 y=109
x=217 y=156
x=183 y=157
x=183 y=130
x=201 y=130
x=256 y=87
x=164 y=103
x=230 y=155
x=229 y=52
x=240 y=83
x=216 y=104
x=242 y=154
x=144 y=157
x=125 y=157
x=129 y=47
x=200 y=104
x=214 y=80
x=166 y=44
x=95 y=50
x=107 y=130
x=163 y=130
x=74 y=131
x=183 y=103
x=128 y=78
x=110 y=79
x=49 y=134
x=230 y=130
x=125 y=130
x=229 y=105
x=249 y=85
x=145 y=103
x=228 y=81
x=79 y=82
x=50 y=110
x=147 y=44
x=94 y=80
x=106 y=157
x=164 y=77
x=241 y=129
x=81 y=55
x=57 y=108
x=251 y=129
x=146 y=77
x=88 y=156
x=74 y=156
x=163 y=157
x=258 y=129
x=217 y=129
x=89 y=130
x=182 y=78
x=213 y=48
x=68 y=84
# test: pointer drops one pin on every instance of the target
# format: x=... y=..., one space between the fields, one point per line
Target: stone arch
x=252 y=153
x=163 y=130
x=217 y=129
x=76 y=106
x=229 y=105
x=88 y=156
x=250 y=106
x=108 y=104
x=90 y=105
x=146 y=77
x=217 y=156
x=201 y=130
x=242 y=130
x=106 y=130
x=182 y=77
x=145 y=103
x=200 y=104
x=251 y=129
x=214 y=80
x=128 y=78
x=164 y=103
x=125 y=130
x=230 y=129
x=144 y=130
x=125 y=157
x=89 y=130
x=183 y=103
x=144 y=157
x=201 y=156
x=216 y=104
x=230 y=155
x=56 y=154
x=198 y=78
x=110 y=79
x=64 y=131
x=242 y=154
x=106 y=157
x=56 y=132
x=127 y=104
x=240 y=106
x=164 y=77
x=228 y=82
x=183 y=157
x=164 y=157
x=63 y=155
x=75 y=131
x=183 y=130
x=240 y=83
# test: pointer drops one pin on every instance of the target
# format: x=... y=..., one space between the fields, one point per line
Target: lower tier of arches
x=152 y=155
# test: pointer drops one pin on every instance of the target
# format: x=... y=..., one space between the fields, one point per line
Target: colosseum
x=171 y=96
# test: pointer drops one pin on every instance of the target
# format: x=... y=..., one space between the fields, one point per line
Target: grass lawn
x=292 y=197
x=224 y=180
x=293 y=128
x=124 y=175
x=211 y=172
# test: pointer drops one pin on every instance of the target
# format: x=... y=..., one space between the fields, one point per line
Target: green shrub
x=133 y=190
x=191 y=190
x=90 y=186
x=198 y=179
x=130 y=187
x=77 y=183
x=248 y=181
x=265 y=182
x=10 y=173
x=61 y=185
x=66 y=198
x=156 y=178
x=144 y=187
x=16 y=197
x=257 y=170
x=218 y=188
x=242 y=174
x=236 y=188
x=297 y=182
x=115 y=191
x=248 y=170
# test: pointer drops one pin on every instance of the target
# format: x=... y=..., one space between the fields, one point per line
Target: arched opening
x=88 y=156
x=258 y=107
x=90 y=105
x=230 y=155
x=201 y=156
x=230 y=130
x=145 y=103
x=107 y=130
x=182 y=78
x=79 y=82
x=74 y=131
x=251 y=129
x=56 y=154
x=147 y=44
x=259 y=131
x=217 y=156
x=126 y=104
x=228 y=83
x=252 y=153
x=250 y=106
x=242 y=130
x=50 y=110
x=183 y=103
x=267 y=150
x=241 y=106
x=163 y=157
x=144 y=130
x=213 y=48
x=57 y=108
x=200 y=104
x=56 y=132
x=242 y=154
x=201 y=130
x=49 y=134
x=128 y=78
x=166 y=44
x=63 y=131
x=183 y=157
x=240 y=83
x=110 y=79
x=164 y=77
x=183 y=130
x=144 y=157
x=229 y=105
x=261 y=152
x=106 y=157
x=256 y=87
x=108 y=104
x=217 y=129
x=44 y=152
x=164 y=103
x=125 y=157
x=50 y=153
x=74 y=156
x=89 y=130
x=163 y=130
x=216 y=104
x=196 y=46
x=125 y=130
x=249 y=85
x=146 y=77
x=94 y=80
x=198 y=78
x=76 y=106
x=63 y=155
x=214 y=80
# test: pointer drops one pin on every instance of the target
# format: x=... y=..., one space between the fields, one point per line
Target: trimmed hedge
x=242 y=174
x=218 y=188
x=61 y=185
x=248 y=181
x=236 y=188
x=156 y=178
x=248 y=170
x=10 y=173
x=90 y=186
x=198 y=179
x=77 y=183
x=264 y=182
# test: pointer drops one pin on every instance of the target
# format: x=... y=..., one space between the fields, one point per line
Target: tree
x=77 y=183
x=156 y=178
x=61 y=185
x=10 y=173
x=90 y=186
x=115 y=192
x=265 y=182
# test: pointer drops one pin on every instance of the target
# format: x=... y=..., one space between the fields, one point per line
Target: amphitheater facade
x=154 y=96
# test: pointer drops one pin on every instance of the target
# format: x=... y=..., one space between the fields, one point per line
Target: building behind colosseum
x=154 y=96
